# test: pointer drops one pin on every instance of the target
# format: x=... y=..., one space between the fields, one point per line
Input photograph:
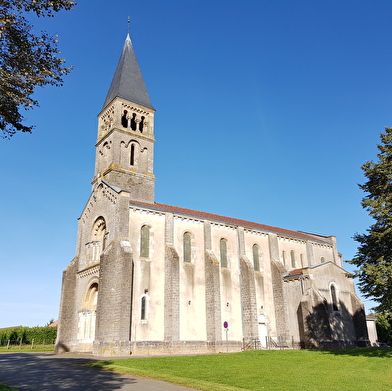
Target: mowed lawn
x=26 y=349
x=351 y=369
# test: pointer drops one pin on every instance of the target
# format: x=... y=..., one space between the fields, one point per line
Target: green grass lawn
x=305 y=370
x=26 y=349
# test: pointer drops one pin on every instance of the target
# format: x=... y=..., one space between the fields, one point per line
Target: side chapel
x=155 y=278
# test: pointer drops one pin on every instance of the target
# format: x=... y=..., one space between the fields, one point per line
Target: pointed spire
x=128 y=81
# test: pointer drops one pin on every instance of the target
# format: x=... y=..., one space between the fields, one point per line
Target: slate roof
x=233 y=221
x=128 y=81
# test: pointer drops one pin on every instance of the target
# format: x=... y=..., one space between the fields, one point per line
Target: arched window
x=335 y=306
x=133 y=121
x=223 y=252
x=132 y=158
x=187 y=247
x=256 y=260
x=292 y=256
x=284 y=258
x=145 y=241
x=99 y=229
x=144 y=306
x=91 y=298
x=301 y=259
x=124 y=119
x=98 y=237
x=322 y=260
x=105 y=155
x=141 y=124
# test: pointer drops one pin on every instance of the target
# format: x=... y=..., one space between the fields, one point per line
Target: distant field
x=306 y=370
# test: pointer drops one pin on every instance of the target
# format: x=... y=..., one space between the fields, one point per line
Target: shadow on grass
x=366 y=352
x=99 y=364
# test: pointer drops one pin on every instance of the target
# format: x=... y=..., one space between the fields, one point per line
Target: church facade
x=155 y=278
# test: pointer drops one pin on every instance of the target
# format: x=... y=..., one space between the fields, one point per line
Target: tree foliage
x=374 y=254
x=27 y=60
x=384 y=327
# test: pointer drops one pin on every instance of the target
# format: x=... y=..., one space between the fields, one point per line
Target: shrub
x=26 y=335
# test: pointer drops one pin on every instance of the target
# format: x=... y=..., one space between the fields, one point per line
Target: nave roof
x=233 y=221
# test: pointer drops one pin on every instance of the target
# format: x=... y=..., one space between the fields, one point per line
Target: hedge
x=40 y=335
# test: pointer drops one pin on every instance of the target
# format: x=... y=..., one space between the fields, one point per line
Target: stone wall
x=67 y=329
x=280 y=304
x=113 y=325
x=172 y=295
x=185 y=347
x=212 y=288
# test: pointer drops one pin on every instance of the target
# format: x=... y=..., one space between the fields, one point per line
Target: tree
x=384 y=327
x=50 y=322
x=26 y=60
x=374 y=254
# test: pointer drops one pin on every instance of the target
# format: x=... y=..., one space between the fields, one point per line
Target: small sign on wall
x=226 y=326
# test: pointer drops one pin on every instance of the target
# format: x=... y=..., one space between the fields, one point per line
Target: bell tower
x=125 y=144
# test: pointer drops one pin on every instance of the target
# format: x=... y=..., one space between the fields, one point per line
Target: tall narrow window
x=133 y=121
x=334 y=298
x=187 y=244
x=223 y=252
x=322 y=260
x=141 y=124
x=124 y=119
x=132 y=160
x=301 y=259
x=145 y=242
x=143 y=307
x=284 y=258
x=292 y=256
x=256 y=260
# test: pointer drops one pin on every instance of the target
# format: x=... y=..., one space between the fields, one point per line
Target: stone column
x=114 y=307
x=248 y=291
x=309 y=253
x=172 y=284
x=68 y=323
x=280 y=303
x=212 y=286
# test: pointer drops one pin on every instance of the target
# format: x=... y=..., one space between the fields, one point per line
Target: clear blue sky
x=265 y=111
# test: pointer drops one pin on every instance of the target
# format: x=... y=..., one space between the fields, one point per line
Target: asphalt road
x=47 y=371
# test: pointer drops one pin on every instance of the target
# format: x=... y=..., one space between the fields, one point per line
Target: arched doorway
x=87 y=317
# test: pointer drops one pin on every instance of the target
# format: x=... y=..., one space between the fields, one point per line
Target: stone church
x=155 y=278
